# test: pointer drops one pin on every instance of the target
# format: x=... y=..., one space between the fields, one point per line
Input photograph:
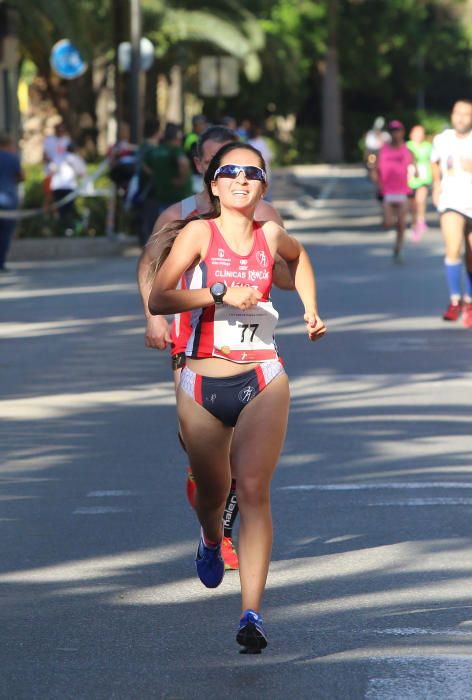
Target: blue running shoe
x=251 y=634
x=210 y=565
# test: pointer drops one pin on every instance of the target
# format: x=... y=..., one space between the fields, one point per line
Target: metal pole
x=420 y=91
x=183 y=81
x=135 y=16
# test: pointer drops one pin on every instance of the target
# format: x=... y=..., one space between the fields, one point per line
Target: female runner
x=233 y=397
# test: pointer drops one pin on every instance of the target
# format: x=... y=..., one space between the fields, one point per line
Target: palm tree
x=97 y=28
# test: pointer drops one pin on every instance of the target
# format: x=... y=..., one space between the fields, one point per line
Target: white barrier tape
x=81 y=191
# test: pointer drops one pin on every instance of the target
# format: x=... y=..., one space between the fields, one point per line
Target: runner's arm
x=164 y=297
x=283 y=273
x=157 y=328
x=291 y=250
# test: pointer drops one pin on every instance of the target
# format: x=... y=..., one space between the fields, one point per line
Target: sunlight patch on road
x=37 y=329
x=97 y=568
x=67 y=291
x=373 y=563
x=61 y=405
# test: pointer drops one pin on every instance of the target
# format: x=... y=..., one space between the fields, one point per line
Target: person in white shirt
x=55 y=146
x=374 y=139
x=64 y=179
x=451 y=160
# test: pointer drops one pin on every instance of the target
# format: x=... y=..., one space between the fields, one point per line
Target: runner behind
x=420 y=179
x=452 y=195
x=391 y=172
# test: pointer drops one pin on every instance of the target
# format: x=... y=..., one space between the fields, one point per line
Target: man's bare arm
x=436 y=172
x=157 y=328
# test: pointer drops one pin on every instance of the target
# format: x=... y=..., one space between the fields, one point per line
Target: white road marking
x=111 y=494
x=380 y=485
x=413 y=631
x=418 y=502
x=99 y=510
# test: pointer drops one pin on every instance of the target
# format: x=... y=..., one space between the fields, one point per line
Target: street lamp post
x=135 y=16
x=9 y=119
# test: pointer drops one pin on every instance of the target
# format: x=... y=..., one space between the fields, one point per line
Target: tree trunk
x=331 y=110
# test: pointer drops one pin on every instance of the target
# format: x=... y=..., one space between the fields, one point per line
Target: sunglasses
x=251 y=172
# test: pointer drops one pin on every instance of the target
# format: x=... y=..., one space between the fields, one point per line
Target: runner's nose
x=241 y=176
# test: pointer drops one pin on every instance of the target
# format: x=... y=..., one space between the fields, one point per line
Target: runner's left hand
x=315 y=326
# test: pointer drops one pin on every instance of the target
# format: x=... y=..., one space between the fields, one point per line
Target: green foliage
x=391 y=53
x=304 y=147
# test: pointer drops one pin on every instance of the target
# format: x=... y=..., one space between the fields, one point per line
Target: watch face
x=218 y=288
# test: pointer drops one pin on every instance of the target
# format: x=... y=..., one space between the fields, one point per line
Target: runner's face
x=417 y=134
x=398 y=136
x=461 y=117
x=239 y=193
x=209 y=149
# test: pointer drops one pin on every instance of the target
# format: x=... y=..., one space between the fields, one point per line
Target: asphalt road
x=369 y=588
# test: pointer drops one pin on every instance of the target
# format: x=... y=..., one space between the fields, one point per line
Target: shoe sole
x=250 y=638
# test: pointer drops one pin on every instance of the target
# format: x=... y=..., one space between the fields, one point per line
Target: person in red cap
x=391 y=176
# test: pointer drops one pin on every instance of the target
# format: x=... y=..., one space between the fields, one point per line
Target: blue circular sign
x=66 y=60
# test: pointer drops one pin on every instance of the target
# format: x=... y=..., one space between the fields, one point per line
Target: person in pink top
x=391 y=175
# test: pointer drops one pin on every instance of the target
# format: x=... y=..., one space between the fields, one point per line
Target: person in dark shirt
x=10 y=175
x=168 y=170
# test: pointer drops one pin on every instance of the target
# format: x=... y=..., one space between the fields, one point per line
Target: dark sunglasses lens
x=228 y=171
x=253 y=173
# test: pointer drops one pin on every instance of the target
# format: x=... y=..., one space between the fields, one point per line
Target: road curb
x=23 y=249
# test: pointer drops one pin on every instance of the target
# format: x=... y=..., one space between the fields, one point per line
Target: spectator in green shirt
x=168 y=170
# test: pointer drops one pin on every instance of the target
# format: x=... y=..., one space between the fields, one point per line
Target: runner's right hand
x=157 y=333
x=242 y=297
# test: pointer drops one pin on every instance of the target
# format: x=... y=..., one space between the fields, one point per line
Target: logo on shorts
x=246 y=394
x=261 y=258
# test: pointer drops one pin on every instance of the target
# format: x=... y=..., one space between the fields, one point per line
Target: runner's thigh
x=260 y=433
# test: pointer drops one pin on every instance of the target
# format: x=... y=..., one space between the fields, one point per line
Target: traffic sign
x=66 y=60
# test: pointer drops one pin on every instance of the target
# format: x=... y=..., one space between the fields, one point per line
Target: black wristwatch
x=218 y=290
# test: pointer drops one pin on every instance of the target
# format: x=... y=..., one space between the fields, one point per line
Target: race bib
x=245 y=336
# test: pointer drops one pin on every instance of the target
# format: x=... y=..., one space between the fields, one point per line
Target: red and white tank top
x=222 y=330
